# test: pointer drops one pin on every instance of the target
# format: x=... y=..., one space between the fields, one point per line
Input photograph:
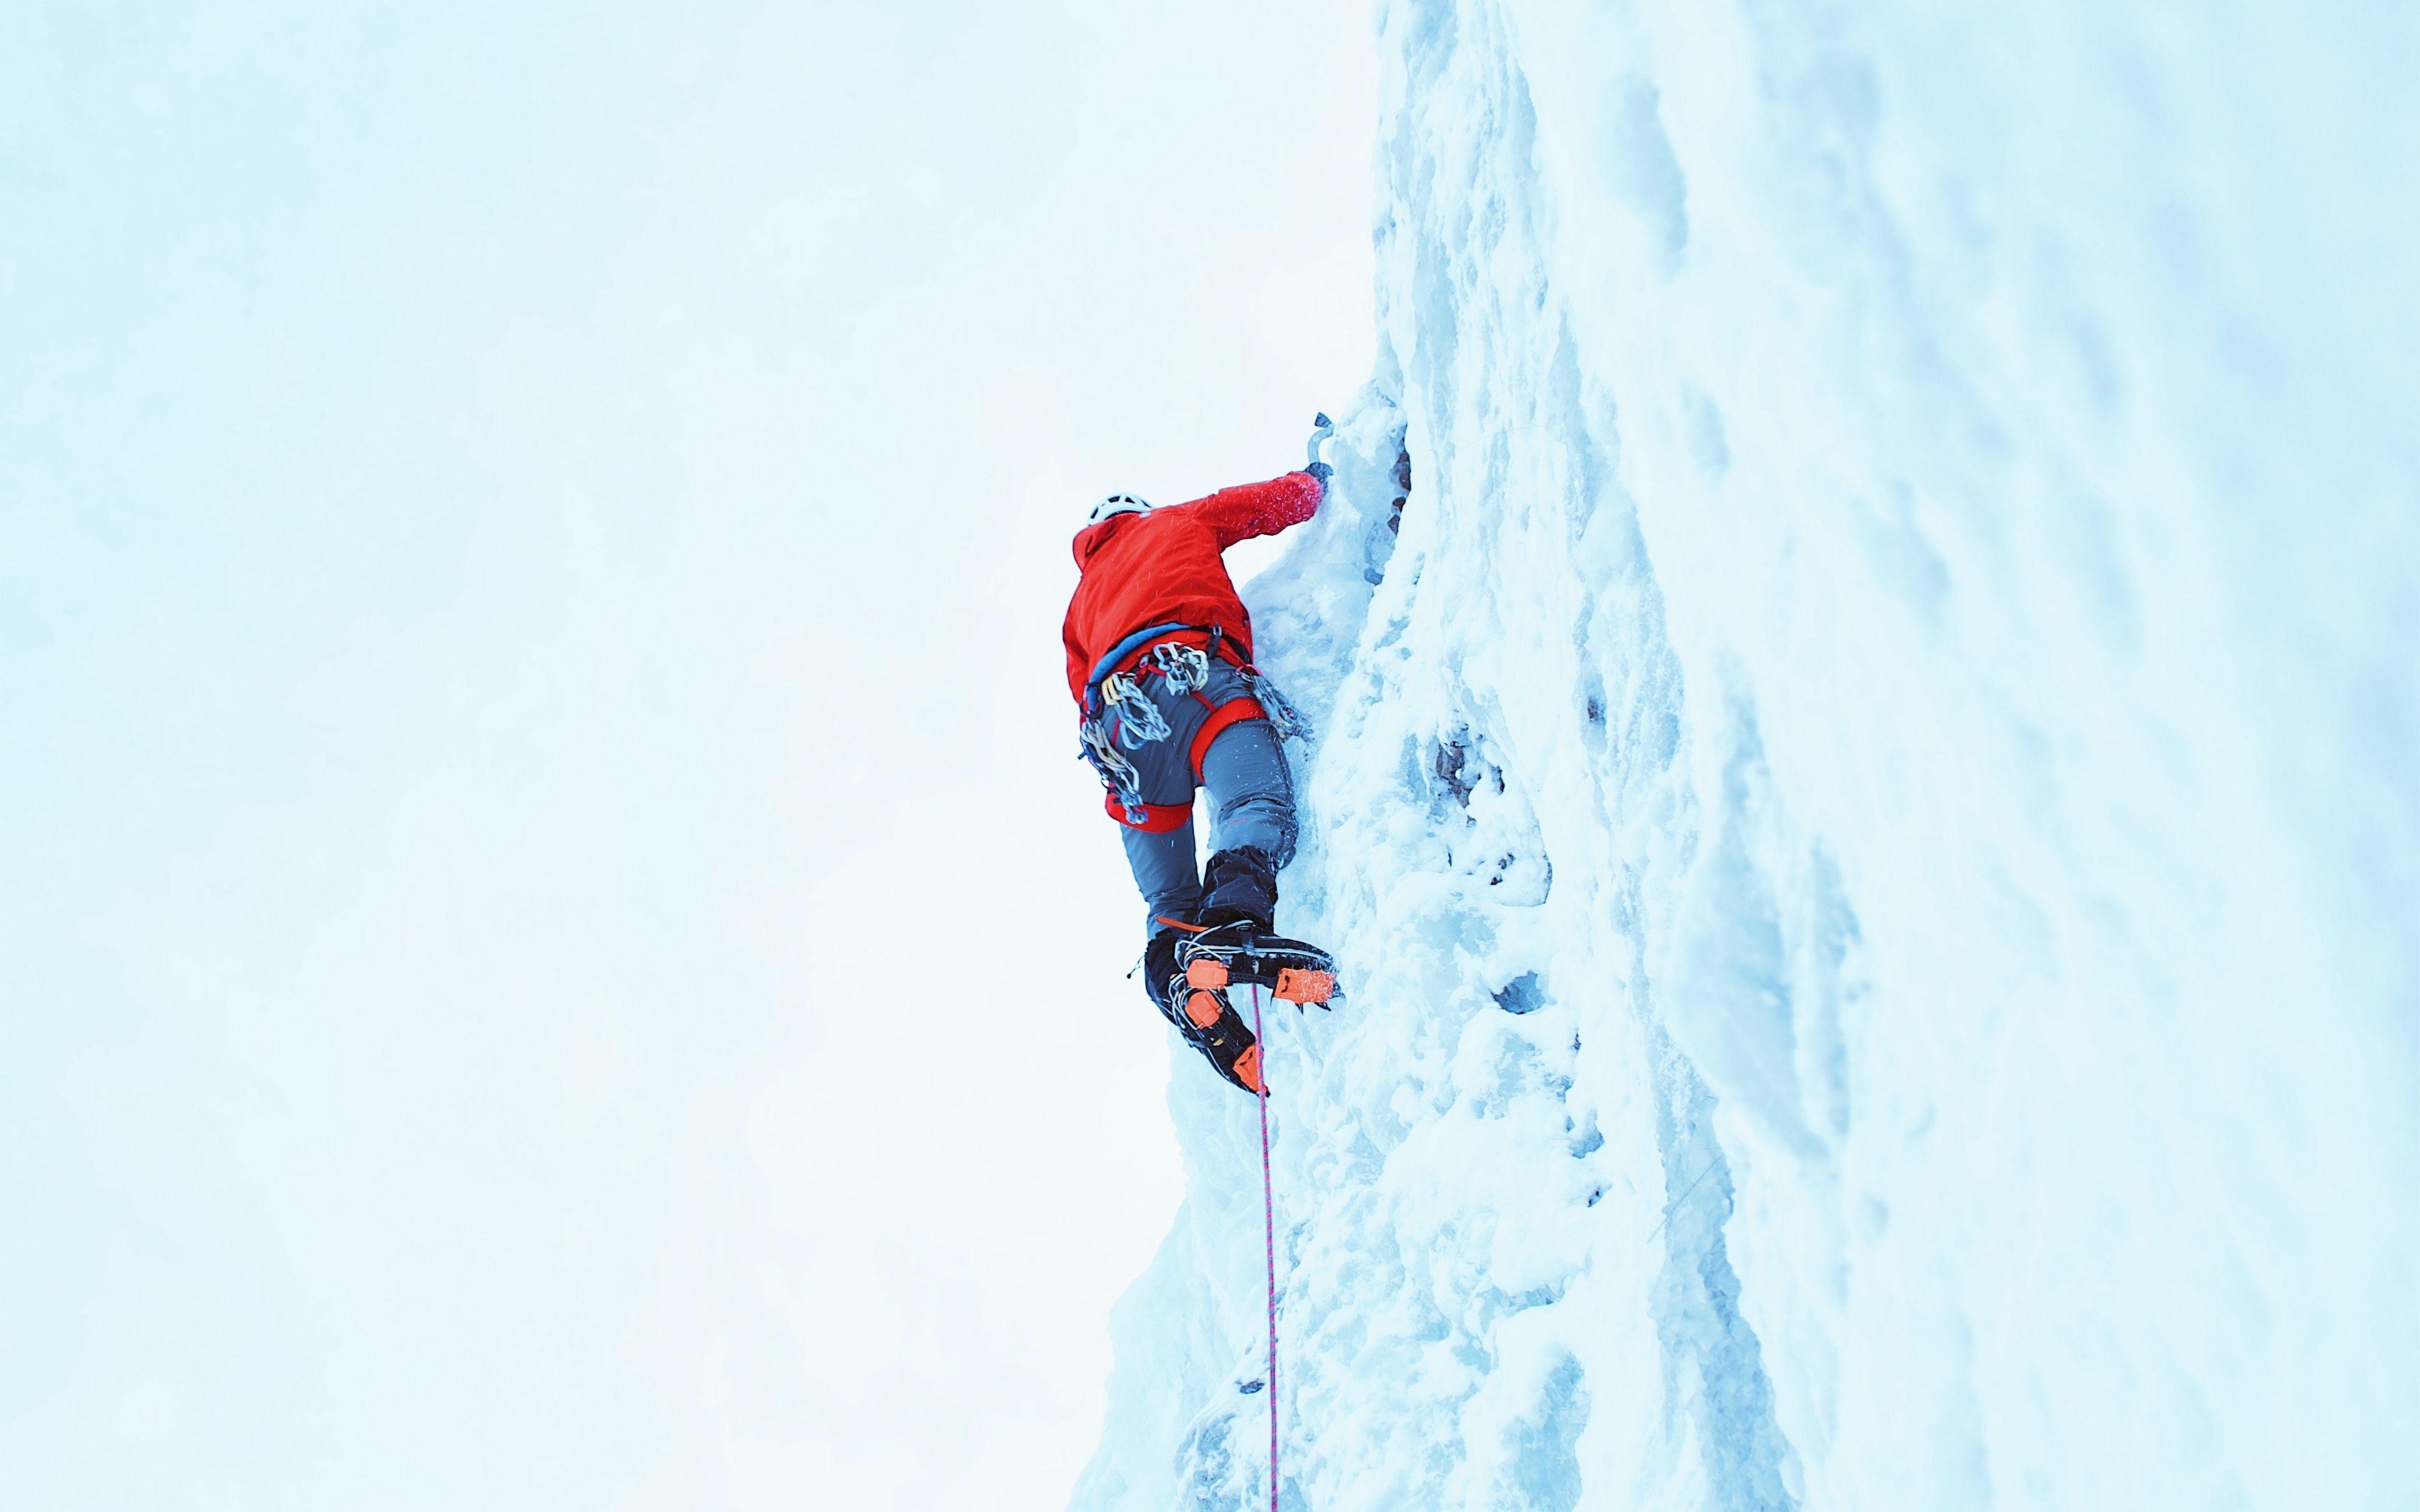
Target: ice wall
x=1868 y=796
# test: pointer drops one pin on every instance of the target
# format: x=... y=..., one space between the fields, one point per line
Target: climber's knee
x=1251 y=791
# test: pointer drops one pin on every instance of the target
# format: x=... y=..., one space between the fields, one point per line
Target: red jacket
x=1164 y=567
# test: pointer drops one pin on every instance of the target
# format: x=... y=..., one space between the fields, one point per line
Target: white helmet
x=1118 y=503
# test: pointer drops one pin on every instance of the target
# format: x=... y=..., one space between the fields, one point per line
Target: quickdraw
x=1288 y=721
x=1135 y=719
x=1116 y=773
x=1184 y=669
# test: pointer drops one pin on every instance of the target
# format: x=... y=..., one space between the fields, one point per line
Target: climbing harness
x=1119 y=716
x=1269 y=1246
x=1102 y=728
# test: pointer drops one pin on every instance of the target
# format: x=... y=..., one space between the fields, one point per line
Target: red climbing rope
x=1269 y=1237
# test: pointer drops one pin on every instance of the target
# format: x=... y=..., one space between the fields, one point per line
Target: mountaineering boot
x=1235 y=940
x=1208 y=1021
x=1239 y=888
x=1162 y=972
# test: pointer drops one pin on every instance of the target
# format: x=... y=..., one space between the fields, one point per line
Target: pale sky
x=553 y=949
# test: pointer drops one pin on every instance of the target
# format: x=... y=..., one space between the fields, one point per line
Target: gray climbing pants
x=1251 y=803
x=1251 y=795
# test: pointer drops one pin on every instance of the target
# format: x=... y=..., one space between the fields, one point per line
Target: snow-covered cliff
x=1867 y=794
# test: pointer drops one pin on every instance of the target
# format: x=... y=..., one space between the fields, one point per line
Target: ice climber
x=1160 y=657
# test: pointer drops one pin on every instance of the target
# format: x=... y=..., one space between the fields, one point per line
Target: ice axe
x=1321 y=428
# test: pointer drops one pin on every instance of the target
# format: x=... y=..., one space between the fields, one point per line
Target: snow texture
x=1867 y=659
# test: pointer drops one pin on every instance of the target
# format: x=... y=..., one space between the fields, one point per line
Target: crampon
x=1214 y=961
x=1292 y=971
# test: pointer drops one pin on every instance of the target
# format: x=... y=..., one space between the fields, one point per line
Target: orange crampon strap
x=1303 y=985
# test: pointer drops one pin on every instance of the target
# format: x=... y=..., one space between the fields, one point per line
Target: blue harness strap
x=1119 y=653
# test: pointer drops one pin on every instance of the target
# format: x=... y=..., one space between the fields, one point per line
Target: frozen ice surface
x=1868 y=799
